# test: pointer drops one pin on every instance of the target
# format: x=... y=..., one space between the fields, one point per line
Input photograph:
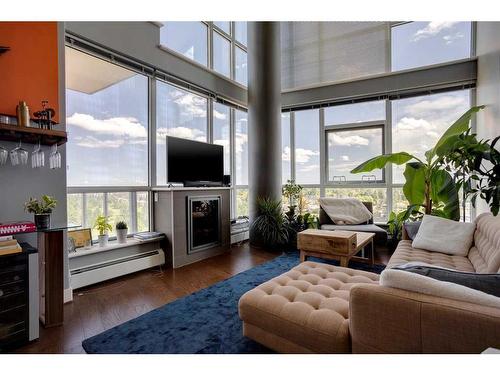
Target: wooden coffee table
x=338 y=245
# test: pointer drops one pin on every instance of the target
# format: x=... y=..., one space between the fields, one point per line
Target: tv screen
x=192 y=162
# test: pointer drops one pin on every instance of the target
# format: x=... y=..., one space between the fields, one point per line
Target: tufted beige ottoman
x=304 y=310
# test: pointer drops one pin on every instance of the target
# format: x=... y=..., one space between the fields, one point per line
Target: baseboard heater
x=94 y=273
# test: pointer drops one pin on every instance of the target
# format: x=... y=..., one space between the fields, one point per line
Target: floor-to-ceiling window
x=179 y=113
x=220 y=45
x=241 y=162
x=107 y=150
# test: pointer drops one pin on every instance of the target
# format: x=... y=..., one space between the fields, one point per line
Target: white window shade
x=314 y=53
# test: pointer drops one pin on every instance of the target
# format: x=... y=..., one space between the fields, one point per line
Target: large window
x=179 y=113
x=107 y=118
x=186 y=38
x=416 y=44
x=222 y=132
x=349 y=148
x=131 y=207
x=241 y=161
x=417 y=123
x=218 y=45
x=286 y=152
x=221 y=54
x=307 y=168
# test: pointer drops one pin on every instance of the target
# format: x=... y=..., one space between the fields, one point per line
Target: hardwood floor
x=102 y=306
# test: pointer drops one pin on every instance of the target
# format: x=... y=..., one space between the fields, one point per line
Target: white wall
x=488 y=84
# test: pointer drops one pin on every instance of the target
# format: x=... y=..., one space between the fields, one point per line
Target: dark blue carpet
x=206 y=321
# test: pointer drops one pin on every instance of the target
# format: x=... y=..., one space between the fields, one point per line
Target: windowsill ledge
x=112 y=245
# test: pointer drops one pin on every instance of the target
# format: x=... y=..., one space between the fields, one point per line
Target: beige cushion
x=444 y=236
x=405 y=253
x=485 y=253
x=307 y=306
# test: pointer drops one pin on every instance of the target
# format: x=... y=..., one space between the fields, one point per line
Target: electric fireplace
x=204 y=223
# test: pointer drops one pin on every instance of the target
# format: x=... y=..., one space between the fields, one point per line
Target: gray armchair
x=326 y=223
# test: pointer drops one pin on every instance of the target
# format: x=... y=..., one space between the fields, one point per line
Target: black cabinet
x=14 y=299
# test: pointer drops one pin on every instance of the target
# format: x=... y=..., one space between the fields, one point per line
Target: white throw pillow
x=444 y=236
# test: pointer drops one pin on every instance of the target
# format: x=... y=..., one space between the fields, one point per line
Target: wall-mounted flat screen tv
x=194 y=163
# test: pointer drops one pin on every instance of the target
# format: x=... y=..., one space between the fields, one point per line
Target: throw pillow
x=444 y=236
x=411 y=228
x=485 y=282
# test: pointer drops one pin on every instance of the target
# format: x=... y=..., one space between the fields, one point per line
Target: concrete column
x=264 y=112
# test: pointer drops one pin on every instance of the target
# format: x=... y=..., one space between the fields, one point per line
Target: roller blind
x=314 y=53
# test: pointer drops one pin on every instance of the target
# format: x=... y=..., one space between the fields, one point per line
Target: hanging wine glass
x=18 y=155
x=38 y=157
x=55 y=158
x=4 y=155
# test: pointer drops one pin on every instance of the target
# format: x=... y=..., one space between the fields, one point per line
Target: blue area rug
x=206 y=321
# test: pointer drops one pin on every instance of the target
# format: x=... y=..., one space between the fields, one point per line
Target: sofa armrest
x=388 y=320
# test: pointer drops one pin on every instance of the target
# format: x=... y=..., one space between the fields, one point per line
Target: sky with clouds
x=108 y=129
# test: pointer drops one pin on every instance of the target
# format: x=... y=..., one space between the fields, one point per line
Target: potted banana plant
x=103 y=226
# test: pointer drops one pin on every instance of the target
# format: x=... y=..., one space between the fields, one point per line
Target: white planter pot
x=103 y=240
x=121 y=235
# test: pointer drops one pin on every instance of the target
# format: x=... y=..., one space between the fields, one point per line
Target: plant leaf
x=414 y=187
x=444 y=190
x=458 y=127
x=381 y=161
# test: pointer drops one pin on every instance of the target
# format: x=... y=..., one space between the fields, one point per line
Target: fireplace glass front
x=204 y=225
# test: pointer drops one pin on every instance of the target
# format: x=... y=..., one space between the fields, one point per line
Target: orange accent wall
x=29 y=71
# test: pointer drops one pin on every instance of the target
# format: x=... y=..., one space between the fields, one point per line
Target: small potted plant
x=121 y=231
x=103 y=226
x=41 y=209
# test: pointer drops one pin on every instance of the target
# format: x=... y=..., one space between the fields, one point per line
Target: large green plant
x=476 y=165
x=427 y=182
x=269 y=228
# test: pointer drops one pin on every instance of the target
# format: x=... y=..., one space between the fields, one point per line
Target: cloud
x=220 y=115
x=189 y=104
x=115 y=126
x=431 y=29
x=303 y=156
x=449 y=39
x=92 y=142
x=180 y=132
x=432 y=105
x=307 y=168
x=240 y=141
x=345 y=158
x=348 y=140
x=412 y=124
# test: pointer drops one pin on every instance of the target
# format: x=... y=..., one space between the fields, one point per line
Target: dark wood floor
x=102 y=306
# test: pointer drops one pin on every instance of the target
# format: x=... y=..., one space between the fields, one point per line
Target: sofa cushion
x=485 y=253
x=444 y=235
x=413 y=282
x=486 y=283
x=345 y=210
x=380 y=234
x=307 y=306
x=411 y=228
x=406 y=253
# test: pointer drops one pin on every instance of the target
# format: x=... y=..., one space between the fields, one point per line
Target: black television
x=194 y=163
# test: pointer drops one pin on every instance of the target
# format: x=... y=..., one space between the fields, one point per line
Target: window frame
x=368 y=125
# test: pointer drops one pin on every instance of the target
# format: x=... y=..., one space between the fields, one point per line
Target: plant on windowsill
x=428 y=184
x=41 y=209
x=121 y=231
x=269 y=229
x=103 y=226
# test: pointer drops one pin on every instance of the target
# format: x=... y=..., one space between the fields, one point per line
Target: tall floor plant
x=428 y=183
